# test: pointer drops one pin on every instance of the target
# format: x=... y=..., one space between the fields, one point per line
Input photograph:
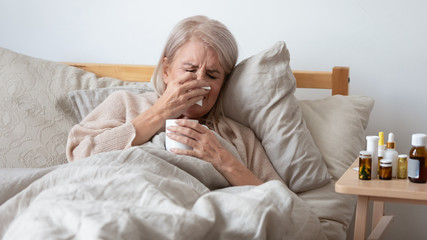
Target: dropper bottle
x=381 y=149
x=392 y=154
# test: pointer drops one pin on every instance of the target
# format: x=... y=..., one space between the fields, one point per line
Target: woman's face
x=195 y=56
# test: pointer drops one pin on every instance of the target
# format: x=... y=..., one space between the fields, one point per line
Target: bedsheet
x=146 y=192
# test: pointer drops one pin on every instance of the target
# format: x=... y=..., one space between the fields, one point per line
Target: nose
x=200 y=74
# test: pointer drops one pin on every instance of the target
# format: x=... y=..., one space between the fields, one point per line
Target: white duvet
x=148 y=193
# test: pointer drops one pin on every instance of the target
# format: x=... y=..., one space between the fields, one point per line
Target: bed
x=145 y=192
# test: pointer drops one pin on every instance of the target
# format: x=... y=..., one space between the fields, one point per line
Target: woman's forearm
x=147 y=124
x=240 y=175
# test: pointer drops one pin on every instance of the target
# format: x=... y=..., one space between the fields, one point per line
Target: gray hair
x=212 y=32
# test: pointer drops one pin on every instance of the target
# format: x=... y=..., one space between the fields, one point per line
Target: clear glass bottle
x=417 y=165
x=365 y=163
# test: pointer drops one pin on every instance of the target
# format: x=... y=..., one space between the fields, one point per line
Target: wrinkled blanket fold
x=146 y=192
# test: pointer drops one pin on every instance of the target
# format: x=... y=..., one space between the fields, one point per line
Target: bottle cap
x=372 y=138
x=372 y=144
x=390 y=137
x=385 y=160
x=386 y=164
x=365 y=153
x=403 y=156
x=419 y=139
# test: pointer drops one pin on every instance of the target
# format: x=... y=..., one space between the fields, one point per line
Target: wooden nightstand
x=378 y=191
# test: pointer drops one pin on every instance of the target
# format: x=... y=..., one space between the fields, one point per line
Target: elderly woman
x=199 y=55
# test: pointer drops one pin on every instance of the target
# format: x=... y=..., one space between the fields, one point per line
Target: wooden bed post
x=340 y=79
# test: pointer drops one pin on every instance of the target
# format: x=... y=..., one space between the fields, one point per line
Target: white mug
x=170 y=143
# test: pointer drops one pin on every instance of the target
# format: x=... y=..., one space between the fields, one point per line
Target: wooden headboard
x=337 y=79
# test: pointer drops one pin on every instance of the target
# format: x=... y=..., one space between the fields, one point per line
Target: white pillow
x=337 y=124
x=260 y=95
x=36 y=114
x=85 y=100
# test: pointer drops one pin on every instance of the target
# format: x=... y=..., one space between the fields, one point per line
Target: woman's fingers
x=197 y=136
x=188 y=82
x=182 y=139
x=191 y=129
x=180 y=94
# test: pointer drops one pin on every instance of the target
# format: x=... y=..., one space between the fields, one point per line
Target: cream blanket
x=146 y=192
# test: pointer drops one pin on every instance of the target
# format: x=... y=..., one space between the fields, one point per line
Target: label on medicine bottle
x=413 y=168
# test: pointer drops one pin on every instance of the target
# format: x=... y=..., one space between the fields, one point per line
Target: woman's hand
x=180 y=94
x=207 y=147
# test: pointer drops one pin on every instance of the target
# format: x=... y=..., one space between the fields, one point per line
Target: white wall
x=383 y=42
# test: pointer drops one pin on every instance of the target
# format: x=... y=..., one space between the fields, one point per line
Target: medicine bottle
x=372 y=147
x=417 y=168
x=365 y=163
x=402 y=166
x=385 y=169
x=391 y=153
x=381 y=149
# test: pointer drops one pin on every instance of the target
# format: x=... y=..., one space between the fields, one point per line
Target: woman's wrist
x=147 y=124
x=234 y=171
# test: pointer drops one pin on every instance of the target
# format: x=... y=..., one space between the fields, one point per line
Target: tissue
x=201 y=101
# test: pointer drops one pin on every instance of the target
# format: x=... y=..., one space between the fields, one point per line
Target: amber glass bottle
x=365 y=162
x=417 y=165
x=385 y=169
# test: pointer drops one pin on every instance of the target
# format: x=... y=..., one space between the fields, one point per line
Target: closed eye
x=211 y=76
